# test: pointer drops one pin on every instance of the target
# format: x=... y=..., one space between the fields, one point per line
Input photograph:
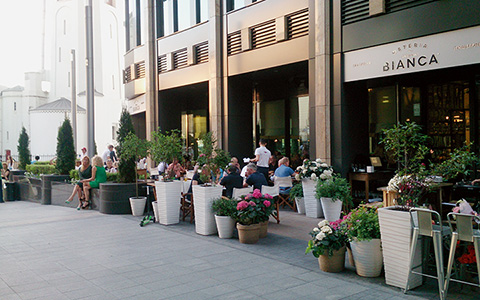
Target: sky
x=21 y=26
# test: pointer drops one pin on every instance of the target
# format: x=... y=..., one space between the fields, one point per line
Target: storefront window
x=410 y=106
x=382 y=115
x=194 y=124
x=299 y=126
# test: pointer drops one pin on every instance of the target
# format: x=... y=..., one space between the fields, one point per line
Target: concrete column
x=151 y=73
x=319 y=67
x=216 y=82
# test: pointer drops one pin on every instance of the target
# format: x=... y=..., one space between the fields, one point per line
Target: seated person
x=195 y=179
x=162 y=166
x=37 y=159
x=5 y=171
x=84 y=172
x=99 y=175
x=253 y=177
x=284 y=170
x=232 y=180
x=176 y=168
x=109 y=168
x=234 y=162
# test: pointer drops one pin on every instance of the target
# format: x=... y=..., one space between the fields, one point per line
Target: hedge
x=38 y=169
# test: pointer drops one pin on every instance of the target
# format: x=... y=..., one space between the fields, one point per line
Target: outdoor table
x=367 y=178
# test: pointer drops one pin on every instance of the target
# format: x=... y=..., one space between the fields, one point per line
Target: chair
x=426 y=228
x=274 y=192
x=237 y=192
x=186 y=206
x=284 y=198
x=464 y=232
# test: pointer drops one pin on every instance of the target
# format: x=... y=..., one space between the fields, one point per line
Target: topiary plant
x=134 y=147
x=65 y=148
x=23 y=149
x=165 y=147
x=126 y=166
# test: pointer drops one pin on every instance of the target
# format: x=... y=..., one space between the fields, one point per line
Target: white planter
x=300 y=205
x=396 y=234
x=331 y=209
x=368 y=257
x=313 y=208
x=225 y=226
x=168 y=201
x=155 y=211
x=202 y=204
x=138 y=205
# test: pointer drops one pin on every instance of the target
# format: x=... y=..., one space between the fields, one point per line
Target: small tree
x=134 y=147
x=211 y=158
x=65 y=148
x=23 y=149
x=126 y=165
x=166 y=147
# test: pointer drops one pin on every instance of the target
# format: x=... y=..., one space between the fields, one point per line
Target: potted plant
x=309 y=173
x=458 y=166
x=296 y=192
x=408 y=145
x=328 y=245
x=363 y=232
x=249 y=214
x=265 y=208
x=136 y=147
x=165 y=147
x=224 y=209
x=334 y=193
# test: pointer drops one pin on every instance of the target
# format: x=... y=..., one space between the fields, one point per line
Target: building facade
x=312 y=77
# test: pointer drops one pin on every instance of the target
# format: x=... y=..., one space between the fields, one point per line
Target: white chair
x=190 y=174
x=283 y=199
x=238 y=192
x=274 y=192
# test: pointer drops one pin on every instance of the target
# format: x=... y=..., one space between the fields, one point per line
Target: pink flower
x=242 y=205
x=251 y=203
x=268 y=196
x=257 y=194
x=266 y=203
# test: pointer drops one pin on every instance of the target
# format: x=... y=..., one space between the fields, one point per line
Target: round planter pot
x=248 y=234
x=331 y=208
x=300 y=205
x=225 y=226
x=138 y=205
x=263 y=229
x=334 y=263
x=368 y=257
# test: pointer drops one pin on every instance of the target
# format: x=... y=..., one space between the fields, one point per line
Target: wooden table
x=367 y=177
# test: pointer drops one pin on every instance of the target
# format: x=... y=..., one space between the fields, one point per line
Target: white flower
x=322 y=223
x=304 y=171
x=328 y=172
x=299 y=168
x=323 y=176
x=320 y=236
x=314 y=176
x=326 y=229
x=316 y=229
x=318 y=160
x=312 y=168
x=297 y=176
x=324 y=165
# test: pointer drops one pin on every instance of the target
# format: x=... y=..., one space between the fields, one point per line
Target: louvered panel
x=354 y=10
x=201 y=53
x=297 y=24
x=127 y=75
x=162 y=64
x=140 y=70
x=396 y=5
x=263 y=35
x=234 y=43
x=180 y=59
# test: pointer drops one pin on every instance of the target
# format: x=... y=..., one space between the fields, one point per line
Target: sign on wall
x=443 y=50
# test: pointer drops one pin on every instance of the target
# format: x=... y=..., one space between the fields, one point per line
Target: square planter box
x=168 y=201
x=202 y=203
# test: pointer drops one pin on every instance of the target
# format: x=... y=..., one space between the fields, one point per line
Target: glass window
x=299 y=126
x=184 y=14
x=235 y=4
x=194 y=125
x=203 y=10
x=142 y=22
x=132 y=24
x=382 y=114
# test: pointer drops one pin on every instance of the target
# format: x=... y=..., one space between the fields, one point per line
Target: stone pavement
x=53 y=252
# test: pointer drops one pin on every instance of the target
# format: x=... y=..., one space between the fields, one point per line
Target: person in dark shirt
x=232 y=180
x=254 y=177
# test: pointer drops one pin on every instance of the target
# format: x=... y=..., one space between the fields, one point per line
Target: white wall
x=14 y=116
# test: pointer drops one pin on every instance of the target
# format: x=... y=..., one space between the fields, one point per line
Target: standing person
x=84 y=172
x=10 y=162
x=109 y=153
x=84 y=153
x=98 y=176
x=262 y=158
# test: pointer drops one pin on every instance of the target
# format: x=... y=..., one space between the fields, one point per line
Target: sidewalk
x=53 y=252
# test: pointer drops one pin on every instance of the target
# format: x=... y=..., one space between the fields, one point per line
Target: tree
x=165 y=147
x=134 y=147
x=65 y=148
x=126 y=166
x=23 y=150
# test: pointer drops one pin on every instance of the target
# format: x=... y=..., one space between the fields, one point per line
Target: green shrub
x=224 y=207
x=23 y=149
x=335 y=188
x=39 y=169
x=42 y=163
x=74 y=174
x=296 y=191
x=126 y=166
x=65 y=149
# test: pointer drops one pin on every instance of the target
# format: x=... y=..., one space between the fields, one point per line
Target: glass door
x=194 y=124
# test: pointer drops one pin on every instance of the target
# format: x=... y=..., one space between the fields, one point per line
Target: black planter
x=114 y=197
x=47 y=186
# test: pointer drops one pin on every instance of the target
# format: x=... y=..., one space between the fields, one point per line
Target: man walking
x=262 y=158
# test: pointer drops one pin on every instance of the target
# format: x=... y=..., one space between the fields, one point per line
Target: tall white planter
x=168 y=201
x=300 y=205
x=138 y=205
x=225 y=226
x=202 y=204
x=396 y=234
x=368 y=257
x=331 y=209
x=313 y=208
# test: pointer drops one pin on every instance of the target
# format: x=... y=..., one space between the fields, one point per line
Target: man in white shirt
x=262 y=158
x=109 y=153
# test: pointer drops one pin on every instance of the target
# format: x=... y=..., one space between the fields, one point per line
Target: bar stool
x=425 y=227
x=464 y=232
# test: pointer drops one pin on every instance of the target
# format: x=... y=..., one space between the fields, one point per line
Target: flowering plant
x=254 y=208
x=326 y=237
x=410 y=189
x=314 y=169
x=362 y=224
x=335 y=188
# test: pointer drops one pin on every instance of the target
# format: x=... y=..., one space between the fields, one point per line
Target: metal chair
x=426 y=227
x=238 y=192
x=464 y=232
x=284 y=198
x=274 y=192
